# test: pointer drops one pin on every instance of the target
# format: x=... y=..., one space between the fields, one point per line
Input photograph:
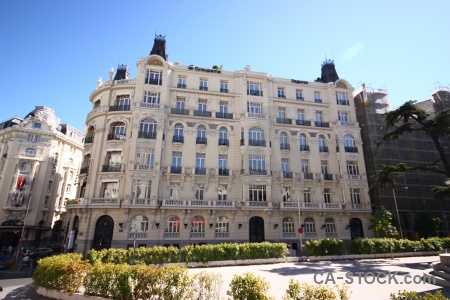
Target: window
x=307 y=195
x=305 y=166
x=178 y=131
x=174 y=193
x=200 y=164
x=322 y=147
x=70 y=175
x=118 y=131
x=139 y=224
x=224 y=87
x=285 y=167
x=153 y=77
x=223 y=108
x=256 y=137
x=198 y=224
x=343 y=116
x=340 y=97
x=37 y=125
x=257 y=192
x=201 y=135
x=299 y=94
x=281 y=113
x=49 y=186
x=202 y=106
x=356 y=196
x=110 y=190
x=303 y=143
x=288 y=227
x=203 y=85
x=319 y=118
x=352 y=168
x=223 y=136
x=222 y=193
x=30 y=138
x=222 y=227
x=37 y=138
x=327 y=195
x=123 y=102
x=254 y=109
x=324 y=166
x=145 y=159
x=223 y=161
x=181 y=82
x=151 y=98
x=173 y=224
x=317 y=98
x=257 y=163
x=176 y=159
x=180 y=104
x=254 y=89
x=147 y=129
x=68 y=188
x=286 y=194
x=281 y=93
x=198 y=192
x=141 y=189
x=301 y=115
x=330 y=227
x=113 y=158
x=310 y=227
x=284 y=145
x=31 y=151
x=349 y=144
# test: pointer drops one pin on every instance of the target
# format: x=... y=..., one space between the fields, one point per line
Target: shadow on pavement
x=26 y=292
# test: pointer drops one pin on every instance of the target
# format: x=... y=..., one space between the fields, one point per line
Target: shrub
x=249 y=287
x=298 y=291
x=64 y=273
x=404 y=295
x=206 y=286
x=432 y=244
x=325 y=247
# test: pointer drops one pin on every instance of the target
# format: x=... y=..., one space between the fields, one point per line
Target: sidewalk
x=17 y=286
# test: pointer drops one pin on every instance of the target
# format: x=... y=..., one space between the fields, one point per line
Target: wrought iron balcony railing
x=284 y=121
x=112 y=168
x=321 y=124
x=303 y=122
x=224 y=115
x=84 y=170
x=257 y=172
x=323 y=149
x=304 y=147
x=202 y=113
x=178 y=139
x=285 y=146
x=351 y=149
x=287 y=175
x=201 y=140
x=254 y=93
x=327 y=176
x=242 y=142
x=119 y=108
x=224 y=90
x=224 y=172
x=259 y=143
x=153 y=81
x=224 y=142
x=308 y=175
x=147 y=135
x=179 y=111
x=200 y=171
x=116 y=136
x=89 y=140
x=175 y=170
x=181 y=86
x=203 y=88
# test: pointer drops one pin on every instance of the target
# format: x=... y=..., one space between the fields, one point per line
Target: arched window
x=284 y=141
x=288 y=227
x=139 y=224
x=223 y=134
x=303 y=143
x=201 y=135
x=256 y=137
x=349 y=142
x=330 y=227
x=118 y=131
x=198 y=227
x=147 y=129
x=322 y=146
x=222 y=227
x=310 y=227
x=178 y=133
x=172 y=229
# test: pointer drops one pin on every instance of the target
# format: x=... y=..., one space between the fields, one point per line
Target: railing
x=200 y=171
x=142 y=202
x=181 y=86
x=351 y=149
x=224 y=172
x=202 y=113
x=171 y=235
x=321 y=124
x=149 y=105
x=317 y=100
x=281 y=96
x=179 y=111
x=288 y=175
x=354 y=177
x=197 y=235
x=224 y=115
x=342 y=102
x=304 y=147
x=178 y=139
x=222 y=235
x=300 y=98
x=224 y=90
x=308 y=175
x=312 y=205
x=153 y=81
x=119 y=108
x=284 y=121
x=88 y=140
x=257 y=172
x=358 y=207
x=331 y=234
x=84 y=170
x=259 y=143
x=137 y=235
x=116 y=137
x=201 y=140
x=323 y=149
x=242 y=142
x=173 y=202
x=224 y=142
x=143 y=167
x=288 y=234
x=203 y=88
x=97 y=110
x=328 y=176
x=258 y=204
x=346 y=123
x=147 y=135
x=310 y=234
x=112 y=168
x=254 y=93
x=285 y=146
x=103 y=201
x=255 y=115
x=175 y=170
x=303 y=122
x=197 y=203
x=337 y=148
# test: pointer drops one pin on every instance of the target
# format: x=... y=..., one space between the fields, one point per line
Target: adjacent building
x=39 y=165
x=187 y=154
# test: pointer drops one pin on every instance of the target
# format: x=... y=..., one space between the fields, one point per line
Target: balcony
x=197 y=235
x=351 y=149
x=258 y=204
x=321 y=124
x=323 y=149
x=284 y=121
x=311 y=206
x=223 y=172
x=281 y=96
x=308 y=175
x=103 y=201
x=147 y=135
x=181 y=86
x=171 y=235
x=137 y=235
x=300 y=98
x=153 y=81
x=224 y=90
x=285 y=146
x=88 y=140
x=354 y=177
x=288 y=175
x=119 y=108
x=175 y=170
x=222 y=115
x=242 y=142
x=361 y=206
x=116 y=137
x=222 y=235
x=328 y=176
x=149 y=105
x=201 y=141
x=202 y=113
x=254 y=93
x=257 y=171
x=304 y=147
x=200 y=171
x=179 y=111
x=143 y=167
x=178 y=139
x=342 y=102
x=84 y=170
x=224 y=142
x=112 y=168
x=317 y=100
x=258 y=143
x=303 y=122
x=203 y=88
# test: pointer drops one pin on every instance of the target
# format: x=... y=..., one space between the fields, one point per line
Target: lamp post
x=300 y=229
x=396 y=209
x=134 y=246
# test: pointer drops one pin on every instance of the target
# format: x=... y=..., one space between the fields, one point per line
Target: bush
x=64 y=273
x=249 y=287
x=206 y=286
x=298 y=291
x=325 y=247
x=404 y=295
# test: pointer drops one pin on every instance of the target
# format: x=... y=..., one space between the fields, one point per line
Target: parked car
x=41 y=252
x=56 y=248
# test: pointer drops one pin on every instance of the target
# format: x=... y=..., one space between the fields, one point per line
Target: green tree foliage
x=300 y=291
x=381 y=220
x=249 y=287
x=404 y=295
x=426 y=225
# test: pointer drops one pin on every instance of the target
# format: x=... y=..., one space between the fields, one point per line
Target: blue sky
x=52 y=52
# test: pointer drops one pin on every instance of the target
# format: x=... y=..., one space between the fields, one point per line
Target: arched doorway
x=103 y=234
x=256 y=230
x=356 y=228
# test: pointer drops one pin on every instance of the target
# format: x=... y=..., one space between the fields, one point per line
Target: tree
x=407 y=119
x=381 y=220
x=426 y=225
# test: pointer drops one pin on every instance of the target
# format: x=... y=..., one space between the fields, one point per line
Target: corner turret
x=159 y=46
x=329 y=73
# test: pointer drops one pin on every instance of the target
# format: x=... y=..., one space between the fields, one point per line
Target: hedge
x=325 y=247
x=387 y=245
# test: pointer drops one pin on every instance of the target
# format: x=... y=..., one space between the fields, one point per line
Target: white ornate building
x=184 y=154
x=39 y=164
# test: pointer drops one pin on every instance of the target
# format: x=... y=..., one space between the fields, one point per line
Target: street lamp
x=300 y=228
x=396 y=209
x=134 y=246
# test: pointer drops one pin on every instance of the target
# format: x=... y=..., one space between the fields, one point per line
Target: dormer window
x=37 y=125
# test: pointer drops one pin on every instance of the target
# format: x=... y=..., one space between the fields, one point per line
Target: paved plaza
x=364 y=285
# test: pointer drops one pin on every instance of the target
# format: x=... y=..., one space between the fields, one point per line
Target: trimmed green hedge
x=386 y=245
x=325 y=247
